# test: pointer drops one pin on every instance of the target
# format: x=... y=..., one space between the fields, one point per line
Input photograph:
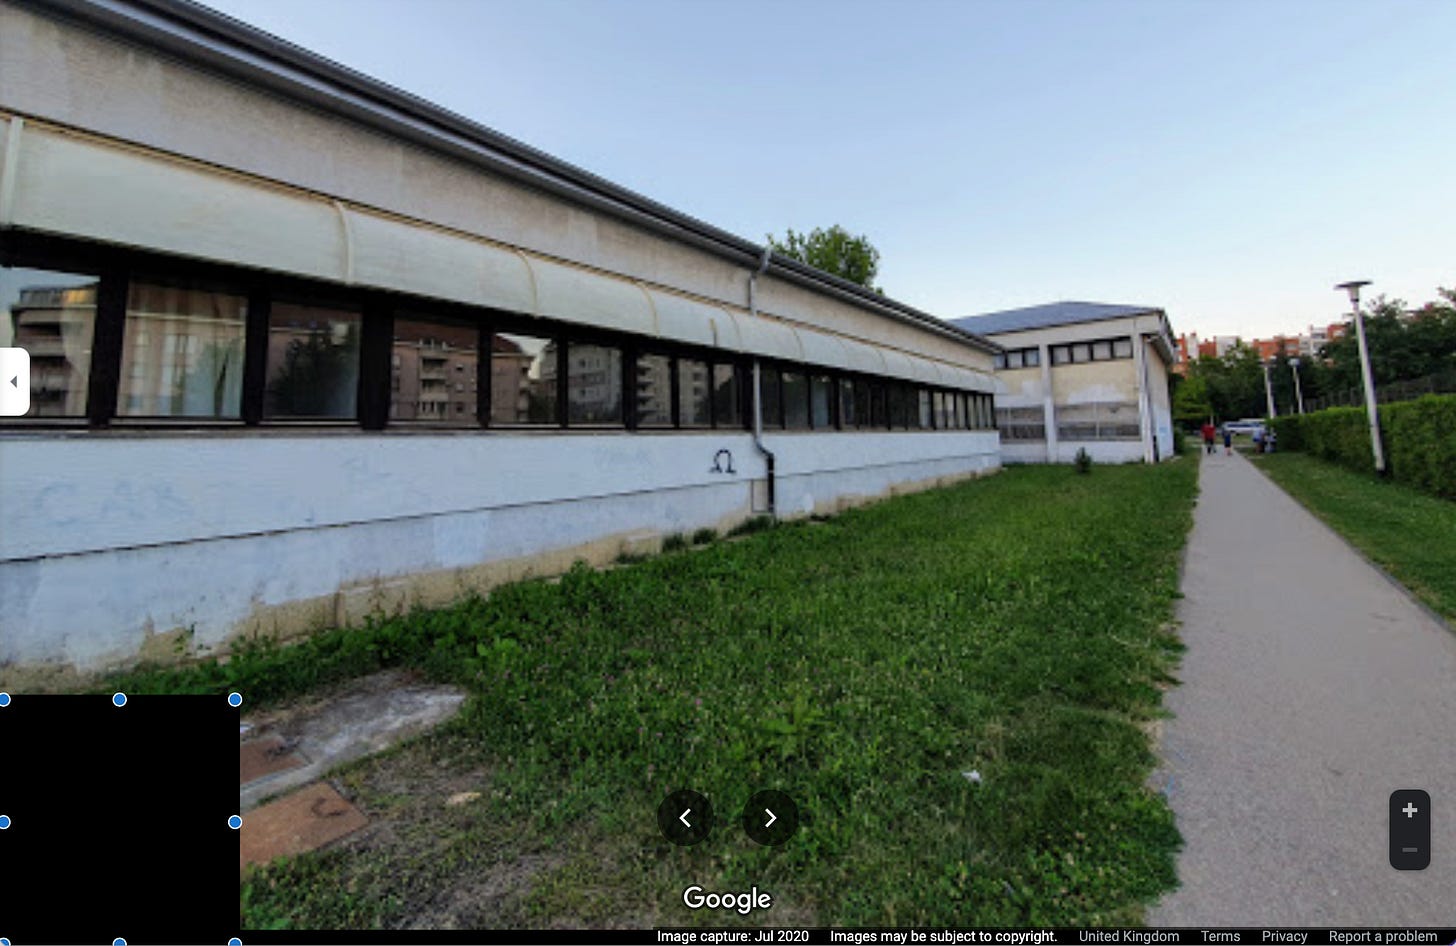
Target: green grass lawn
x=1017 y=626
x=1410 y=534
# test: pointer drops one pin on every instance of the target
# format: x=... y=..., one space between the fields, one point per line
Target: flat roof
x=1051 y=314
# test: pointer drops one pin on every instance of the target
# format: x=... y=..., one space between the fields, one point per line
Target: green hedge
x=1419 y=439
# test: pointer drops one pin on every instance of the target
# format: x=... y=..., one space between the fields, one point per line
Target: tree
x=1234 y=383
x=1191 y=406
x=834 y=251
x=1401 y=348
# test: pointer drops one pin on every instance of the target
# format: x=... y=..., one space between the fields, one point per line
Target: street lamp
x=1298 y=394
x=1353 y=287
x=1268 y=390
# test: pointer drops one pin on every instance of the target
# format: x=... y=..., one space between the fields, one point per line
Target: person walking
x=1208 y=435
x=1228 y=442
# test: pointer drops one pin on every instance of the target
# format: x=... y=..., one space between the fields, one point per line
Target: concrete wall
x=121 y=545
x=1161 y=403
x=1114 y=381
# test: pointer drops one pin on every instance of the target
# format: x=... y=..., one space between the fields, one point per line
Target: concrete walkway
x=1311 y=689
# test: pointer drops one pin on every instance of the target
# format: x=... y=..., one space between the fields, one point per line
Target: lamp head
x=1353 y=288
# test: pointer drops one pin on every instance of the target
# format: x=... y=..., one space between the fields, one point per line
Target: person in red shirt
x=1208 y=435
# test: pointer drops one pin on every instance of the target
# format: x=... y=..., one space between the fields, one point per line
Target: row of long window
x=134 y=346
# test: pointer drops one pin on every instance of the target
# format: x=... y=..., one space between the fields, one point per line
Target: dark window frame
x=116 y=268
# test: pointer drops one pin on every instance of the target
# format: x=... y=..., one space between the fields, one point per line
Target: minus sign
x=1409 y=850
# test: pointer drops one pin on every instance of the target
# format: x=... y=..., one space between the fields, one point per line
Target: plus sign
x=1410 y=810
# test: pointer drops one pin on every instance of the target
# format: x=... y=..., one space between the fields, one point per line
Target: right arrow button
x=771 y=817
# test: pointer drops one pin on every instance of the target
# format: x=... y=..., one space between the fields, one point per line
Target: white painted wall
x=109 y=537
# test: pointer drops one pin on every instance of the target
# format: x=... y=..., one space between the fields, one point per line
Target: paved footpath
x=1311 y=689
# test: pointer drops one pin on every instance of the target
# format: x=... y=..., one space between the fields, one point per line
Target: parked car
x=1249 y=425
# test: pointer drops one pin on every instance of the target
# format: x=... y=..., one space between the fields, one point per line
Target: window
x=895 y=406
x=1102 y=351
x=941 y=415
x=1122 y=348
x=862 y=407
x=958 y=410
x=1061 y=354
x=53 y=316
x=1021 y=424
x=848 y=419
x=927 y=415
x=1018 y=358
x=821 y=390
x=796 y=400
x=879 y=416
x=1081 y=351
x=593 y=385
x=422 y=347
x=1098 y=421
x=692 y=393
x=182 y=353
x=902 y=406
x=522 y=380
x=727 y=401
x=654 y=391
x=313 y=362
x=772 y=395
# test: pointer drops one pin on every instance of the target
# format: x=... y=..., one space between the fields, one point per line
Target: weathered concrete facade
x=123 y=539
x=1115 y=407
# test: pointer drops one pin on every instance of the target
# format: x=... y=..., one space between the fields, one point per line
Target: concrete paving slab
x=1311 y=689
x=303 y=821
x=362 y=717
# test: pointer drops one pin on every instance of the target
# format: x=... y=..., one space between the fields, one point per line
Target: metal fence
x=1440 y=383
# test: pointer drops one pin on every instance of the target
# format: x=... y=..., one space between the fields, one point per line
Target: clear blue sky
x=1228 y=160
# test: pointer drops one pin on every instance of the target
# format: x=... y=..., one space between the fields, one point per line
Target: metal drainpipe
x=768 y=456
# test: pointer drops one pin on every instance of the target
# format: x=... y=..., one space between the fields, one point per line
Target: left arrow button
x=673 y=820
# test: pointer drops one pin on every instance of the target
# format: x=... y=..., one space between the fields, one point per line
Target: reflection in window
x=821 y=389
x=52 y=315
x=878 y=412
x=1102 y=351
x=182 y=353
x=1081 y=351
x=848 y=419
x=727 y=402
x=1122 y=348
x=942 y=411
x=522 y=379
x=654 y=391
x=427 y=355
x=1032 y=357
x=796 y=400
x=593 y=384
x=902 y=399
x=772 y=394
x=1061 y=354
x=313 y=362
x=926 y=418
x=692 y=393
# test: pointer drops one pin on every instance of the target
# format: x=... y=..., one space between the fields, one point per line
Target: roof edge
x=201 y=36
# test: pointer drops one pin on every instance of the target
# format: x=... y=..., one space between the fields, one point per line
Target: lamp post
x=1353 y=288
x=1298 y=393
x=1268 y=390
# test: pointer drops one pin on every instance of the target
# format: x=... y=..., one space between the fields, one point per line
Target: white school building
x=305 y=347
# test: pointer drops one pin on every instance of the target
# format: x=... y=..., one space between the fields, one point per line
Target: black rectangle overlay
x=118 y=819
